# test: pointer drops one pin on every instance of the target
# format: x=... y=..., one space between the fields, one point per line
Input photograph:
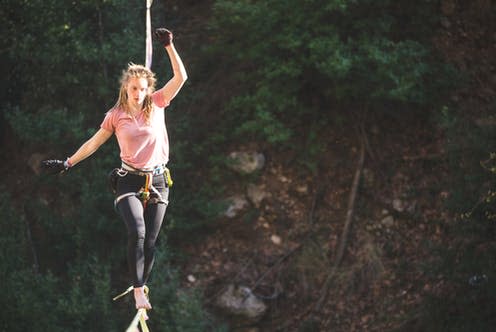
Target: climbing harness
x=113 y=178
x=146 y=192
x=140 y=317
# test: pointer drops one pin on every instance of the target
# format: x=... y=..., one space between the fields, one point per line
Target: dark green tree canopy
x=303 y=57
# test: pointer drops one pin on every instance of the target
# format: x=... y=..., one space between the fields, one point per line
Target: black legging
x=143 y=226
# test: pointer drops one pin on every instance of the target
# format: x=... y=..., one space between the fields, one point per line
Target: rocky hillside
x=321 y=251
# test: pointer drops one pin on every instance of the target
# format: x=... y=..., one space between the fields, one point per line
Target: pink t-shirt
x=142 y=145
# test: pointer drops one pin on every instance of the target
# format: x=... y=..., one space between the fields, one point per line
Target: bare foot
x=141 y=299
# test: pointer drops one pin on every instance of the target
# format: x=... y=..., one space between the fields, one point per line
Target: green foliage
x=314 y=148
x=198 y=171
x=67 y=56
x=468 y=145
x=298 y=57
x=49 y=127
x=465 y=305
x=175 y=308
x=60 y=75
x=192 y=209
x=72 y=285
x=296 y=68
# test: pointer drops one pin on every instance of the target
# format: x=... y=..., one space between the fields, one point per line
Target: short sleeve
x=108 y=122
x=159 y=99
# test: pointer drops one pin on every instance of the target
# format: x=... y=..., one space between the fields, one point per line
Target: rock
x=246 y=162
x=276 y=239
x=240 y=301
x=237 y=204
x=302 y=189
x=404 y=206
x=388 y=221
x=398 y=205
x=256 y=194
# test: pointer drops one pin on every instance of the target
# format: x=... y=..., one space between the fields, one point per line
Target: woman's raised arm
x=172 y=87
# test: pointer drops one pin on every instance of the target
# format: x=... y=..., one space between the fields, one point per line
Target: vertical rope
x=148 y=41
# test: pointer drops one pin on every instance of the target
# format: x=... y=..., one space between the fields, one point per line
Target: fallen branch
x=344 y=239
x=346 y=227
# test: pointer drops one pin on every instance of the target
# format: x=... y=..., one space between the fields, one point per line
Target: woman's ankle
x=141 y=298
x=139 y=289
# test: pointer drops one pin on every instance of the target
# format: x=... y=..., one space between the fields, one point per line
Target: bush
x=467 y=265
x=305 y=62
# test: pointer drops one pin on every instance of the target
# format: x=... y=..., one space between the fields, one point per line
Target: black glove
x=54 y=166
x=163 y=35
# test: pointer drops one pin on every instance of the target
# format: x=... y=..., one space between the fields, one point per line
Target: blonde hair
x=136 y=71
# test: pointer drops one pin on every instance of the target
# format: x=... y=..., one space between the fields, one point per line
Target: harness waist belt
x=157 y=170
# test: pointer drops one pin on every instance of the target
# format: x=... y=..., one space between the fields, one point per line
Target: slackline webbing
x=140 y=317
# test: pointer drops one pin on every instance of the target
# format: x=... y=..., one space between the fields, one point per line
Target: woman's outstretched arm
x=54 y=166
x=90 y=146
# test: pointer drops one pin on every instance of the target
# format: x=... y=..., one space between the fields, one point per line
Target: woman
x=138 y=121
